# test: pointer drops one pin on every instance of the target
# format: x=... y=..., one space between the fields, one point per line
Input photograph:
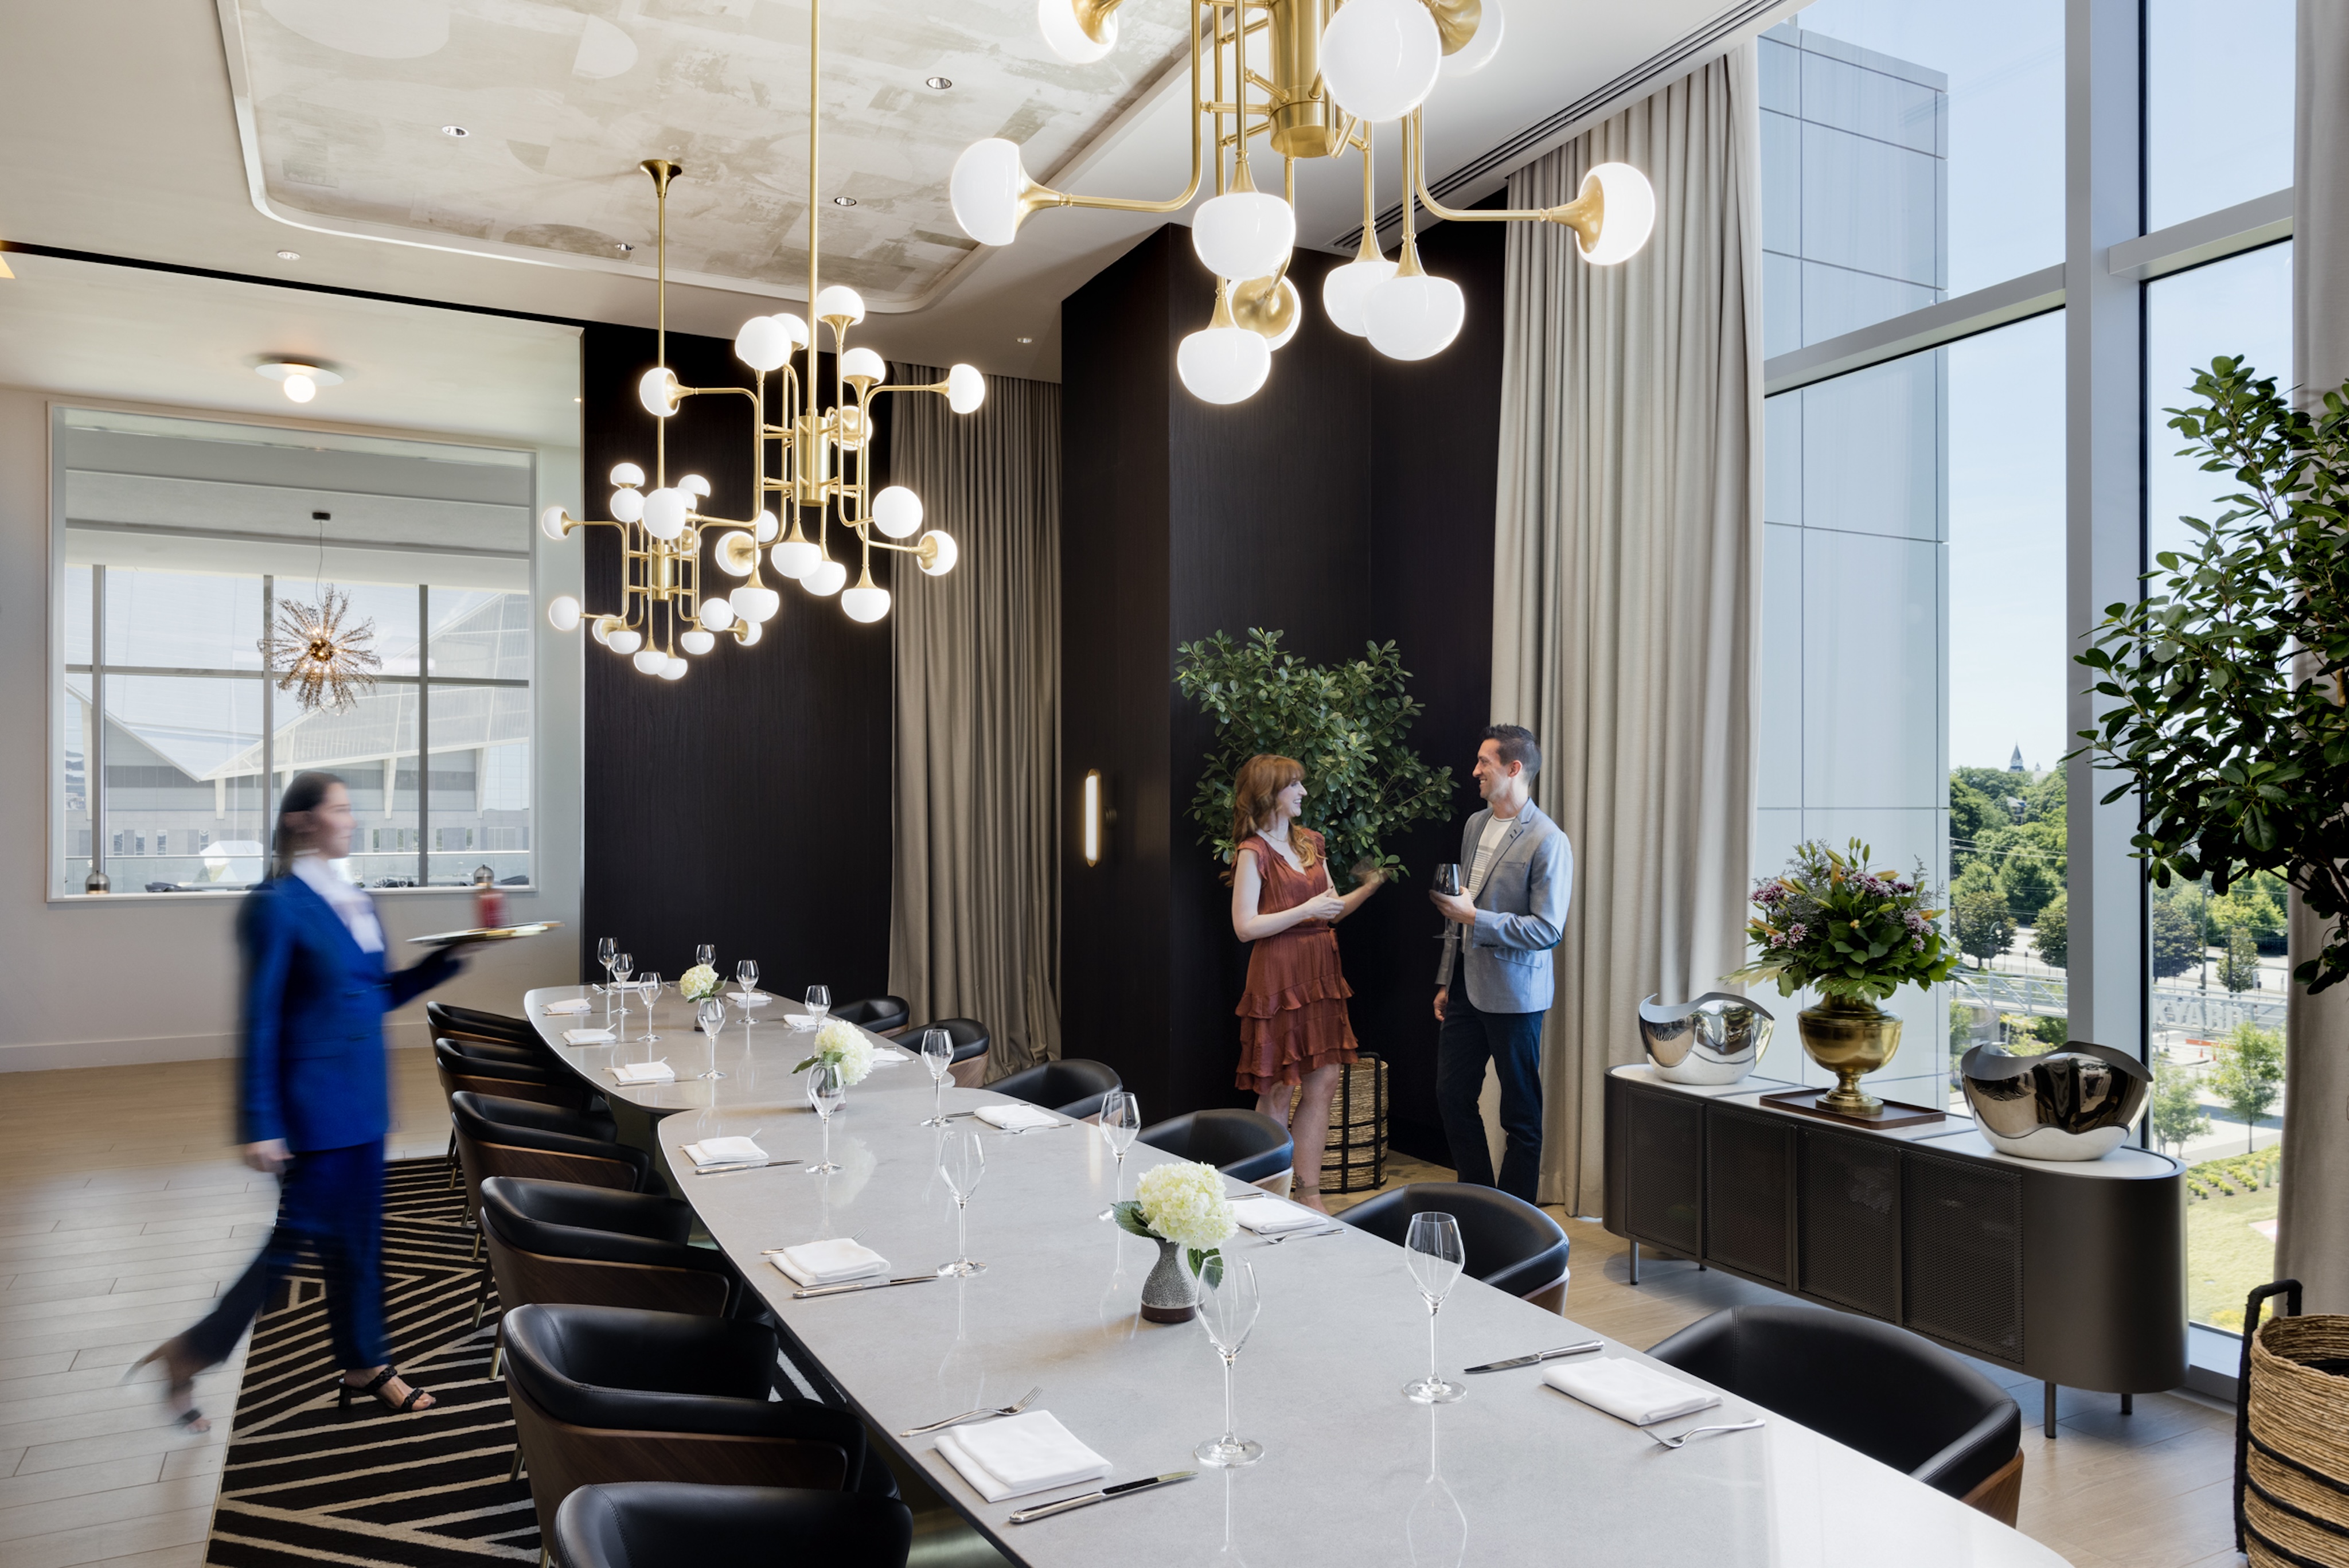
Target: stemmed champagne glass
x=962 y=1160
x=746 y=975
x=606 y=950
x=707 y=953
x=1120 y=1123
x=937 y=1055
x=825 y=1092
x=712 y=1014
x=623 y=966
x=1433 y=1251
x=819 y=1002
x=1229 y=1305
x=651 y=987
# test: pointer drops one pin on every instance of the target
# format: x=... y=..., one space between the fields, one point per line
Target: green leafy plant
x=2051 y=938
x=1851 y=933
x=2238 y=966
x=2226 y=685
x=1346 y=723
x=2177 y=1113
x=1980 y=922
x=2249 y=1075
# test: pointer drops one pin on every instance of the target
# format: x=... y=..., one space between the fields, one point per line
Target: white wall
x=152 y=978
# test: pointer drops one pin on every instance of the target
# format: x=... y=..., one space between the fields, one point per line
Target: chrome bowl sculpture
x=2077 y=1102
x=1716 y=1039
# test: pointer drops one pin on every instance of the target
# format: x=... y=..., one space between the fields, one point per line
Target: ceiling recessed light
x=456 y=130
x=937 y=84
x=1026 y=340
x=624 y=247
x=844 y=200
x=289 y=255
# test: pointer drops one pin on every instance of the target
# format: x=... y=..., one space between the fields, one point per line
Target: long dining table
x=1352 y=1472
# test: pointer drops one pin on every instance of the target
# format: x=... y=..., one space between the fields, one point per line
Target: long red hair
x=1256 y=789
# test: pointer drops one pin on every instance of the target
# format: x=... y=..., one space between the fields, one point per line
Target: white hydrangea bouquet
x=698 y=984
x=1183 y=1203
x=843 y=1045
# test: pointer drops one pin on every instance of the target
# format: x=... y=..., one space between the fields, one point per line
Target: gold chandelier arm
x=1584 y=215
x=1037 y=197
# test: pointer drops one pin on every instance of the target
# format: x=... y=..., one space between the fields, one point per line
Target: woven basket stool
x=2296 y=1492
x=1357 y=1156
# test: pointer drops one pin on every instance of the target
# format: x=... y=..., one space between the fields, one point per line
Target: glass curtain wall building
x=1997 y=241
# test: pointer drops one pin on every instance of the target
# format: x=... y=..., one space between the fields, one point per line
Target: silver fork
x=1300 y=1235
x=1025 y=1400
x=1699 y=1431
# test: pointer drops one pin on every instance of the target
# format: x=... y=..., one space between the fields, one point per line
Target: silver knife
x=1538 y=1356
x=860 y=1285
x=1030 y=1515
x=739 y=1165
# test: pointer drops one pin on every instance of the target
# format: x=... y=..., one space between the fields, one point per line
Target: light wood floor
x=124 y=1212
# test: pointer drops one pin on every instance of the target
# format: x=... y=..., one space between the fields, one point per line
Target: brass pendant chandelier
x=823 y=474
x=1329 y=71
x=318 y=658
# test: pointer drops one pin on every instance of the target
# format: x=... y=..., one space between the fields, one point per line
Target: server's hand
x=270 y=1155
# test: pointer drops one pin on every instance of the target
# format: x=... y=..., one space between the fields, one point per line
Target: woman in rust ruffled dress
x=1294 y=1034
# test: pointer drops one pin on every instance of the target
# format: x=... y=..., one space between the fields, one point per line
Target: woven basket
x=2296 y=1504
x=1357 y=1156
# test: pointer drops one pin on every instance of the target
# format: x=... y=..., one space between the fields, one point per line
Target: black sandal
x=347 y=1389
x=178 y=1392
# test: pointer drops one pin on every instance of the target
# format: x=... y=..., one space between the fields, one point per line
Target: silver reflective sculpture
x=2077 y=1102
x=1716 y=1039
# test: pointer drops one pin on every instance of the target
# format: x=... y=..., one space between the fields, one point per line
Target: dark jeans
x=329 y=1200
x=1512 y=1042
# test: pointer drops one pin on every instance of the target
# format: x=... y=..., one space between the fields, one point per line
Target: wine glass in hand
x=1432 y=1250
x=937 y=1055
x=1228 y=1306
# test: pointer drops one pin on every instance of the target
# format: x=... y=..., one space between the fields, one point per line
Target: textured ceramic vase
x=1851 y=1040
x=1169 y=1294
x=2077 y=1102
x=1716 y=1039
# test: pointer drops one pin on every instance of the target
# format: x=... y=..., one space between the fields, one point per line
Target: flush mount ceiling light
x=289 y=255
x=937 y=84
x=844 y=200
x=301 y=378
x=456 y=130
x=1334 y=71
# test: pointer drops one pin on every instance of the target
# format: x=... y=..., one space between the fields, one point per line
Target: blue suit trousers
x=330 y=1202
x=1512 y=1042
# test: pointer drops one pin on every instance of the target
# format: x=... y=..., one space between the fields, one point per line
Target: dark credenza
x=2074 y=1273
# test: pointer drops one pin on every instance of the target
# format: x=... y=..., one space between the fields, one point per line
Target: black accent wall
x=747 y=804
x=1348 y=500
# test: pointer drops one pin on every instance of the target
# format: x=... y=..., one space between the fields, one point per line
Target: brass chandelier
x=1330 y=70
x=823 y=474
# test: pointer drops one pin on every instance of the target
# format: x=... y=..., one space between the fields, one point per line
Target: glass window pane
x=182 y=621
x=1879 y=119
x=77 y=614
x=2241 y=306
x=391 y=608
x=371 y=746
x=184 y=809
x=480 y=633
x=480 y=783
x=2218 y=89
x=73 y=826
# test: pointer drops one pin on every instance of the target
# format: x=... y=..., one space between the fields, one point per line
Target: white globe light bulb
x=1295 y=316
x=1626 y=218
x=1067 y=37
x=717 y=614
x=656 y=390
x=842 y=301
x=1380 y=57
x=627 y=473
x=624 y=641
x=627 y=505
x=824 y=578
x=966 y=389
x=1478 y=52
x=746 y=632
x=1244 y=233
x=694 y=484
x=600 y=629
x=673 y=669
x=665 y=511
x=866 y=604
x=985 y=191
x=1224 y=364
x=649 y=661
x=761 y=344
x=562 y=613
x=1344 y=289
x=697 y=642
x=795 y=329
x=300 y=388
x=897 y=511
x=793 y=557
x=754 y=604
x=764 y=527
x=729 y=562
x=943 y=560
x=1412 y=317
x=864 y=362
x=549 y=522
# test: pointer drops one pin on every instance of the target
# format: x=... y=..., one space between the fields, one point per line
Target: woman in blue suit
x=314 y=1102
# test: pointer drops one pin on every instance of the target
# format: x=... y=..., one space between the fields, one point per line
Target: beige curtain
x=1627 y=575
x=973 y=931
x=2313 y=1218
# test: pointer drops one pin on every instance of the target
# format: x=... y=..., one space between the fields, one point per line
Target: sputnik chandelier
x=1336 y=68
x=822 y=471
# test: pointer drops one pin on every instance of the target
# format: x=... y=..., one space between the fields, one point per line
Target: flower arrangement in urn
x=843 y=1046
x=698 y=984
x=1178 y=1205
x=1855 y=935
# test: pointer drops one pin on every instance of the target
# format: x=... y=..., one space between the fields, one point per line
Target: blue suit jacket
x=313 y=1068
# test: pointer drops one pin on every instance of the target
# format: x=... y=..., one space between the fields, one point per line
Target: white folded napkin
x=568 y=1004
x=883 y=1055
x=830 y=1262
x=801 y=1021
x=587 y=1037
x=725 y=1151
x=1017 y=1117
x=749 y=998
x=1637 y=1394
x=1018 y=1454
x=644 y=1072
x=1271 y=1216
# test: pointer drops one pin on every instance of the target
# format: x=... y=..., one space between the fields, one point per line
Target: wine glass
x=1433 y=1251
x=1120 y=1123
x=825 y=1092
x=1447 y=877
x=1229 y=1305
x=623 y=966
x=937 y=1055
x=650 y=985
x=746 y=975
x=606 y=950
x=962 y=1160
x=706 y=954
x=712 y=1014
x=819 y=1002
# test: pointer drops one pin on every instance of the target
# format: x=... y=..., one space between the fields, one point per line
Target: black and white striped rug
x=308 y=1483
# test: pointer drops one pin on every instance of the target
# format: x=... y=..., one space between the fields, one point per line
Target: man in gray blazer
x=1518 y=872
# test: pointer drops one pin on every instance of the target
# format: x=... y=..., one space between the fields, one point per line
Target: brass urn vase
x=1849 y=1039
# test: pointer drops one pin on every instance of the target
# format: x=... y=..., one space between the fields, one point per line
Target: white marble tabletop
x=1353 y=1473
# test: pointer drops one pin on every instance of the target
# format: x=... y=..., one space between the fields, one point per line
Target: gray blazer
x=1520 y=914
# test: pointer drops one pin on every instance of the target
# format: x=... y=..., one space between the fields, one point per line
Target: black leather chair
x=661 y=1524
x=449 y=1020
x=1510 y=1244
x=469 y=1065
x=559 y=1242
x=1245 y=1145
x=499 y=1136
x=1893 y=1396
x=880 y=1014
x=970 y=1043
x=1072 y=1086
x=611 y=1394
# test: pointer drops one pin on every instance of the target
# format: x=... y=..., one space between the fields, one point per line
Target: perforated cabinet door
x=1665 y=1175
x=1749 y=1198
x=1851 y=1222
x=1963 y=1254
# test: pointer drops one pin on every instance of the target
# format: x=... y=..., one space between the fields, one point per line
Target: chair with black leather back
x=1897 y=1397
x=657 y=1524
x=614 y=1394
x=1509 y=1245
x=470 y=1066
x=1072 y=1086
x=880 y=1014
x=559 y=1242
x=970 y=1044
x=499 y=1136
x=449 y=1020
x=1245 y=1145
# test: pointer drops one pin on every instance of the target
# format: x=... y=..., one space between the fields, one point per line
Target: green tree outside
x=2177 y=1113
x=2248 y=1075
x=2048 y=938
x=2238 y=966
x=2177 y=942
x=1979 y=917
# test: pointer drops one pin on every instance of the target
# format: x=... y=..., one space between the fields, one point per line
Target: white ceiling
x=125 y=140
